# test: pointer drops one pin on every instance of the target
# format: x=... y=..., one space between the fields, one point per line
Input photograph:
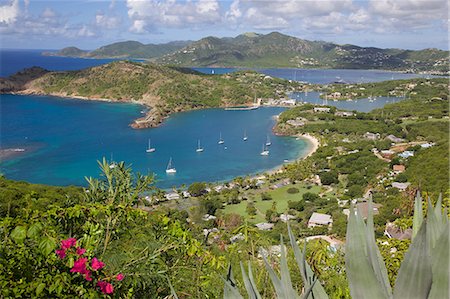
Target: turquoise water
x=64 y=138
x=361 y=105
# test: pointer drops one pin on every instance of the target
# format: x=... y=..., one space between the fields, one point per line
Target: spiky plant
x=424 y=272
x=282 y=285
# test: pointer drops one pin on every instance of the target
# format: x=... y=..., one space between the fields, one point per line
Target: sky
x=89 y=24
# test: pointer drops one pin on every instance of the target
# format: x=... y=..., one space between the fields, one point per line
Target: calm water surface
x=64 y=138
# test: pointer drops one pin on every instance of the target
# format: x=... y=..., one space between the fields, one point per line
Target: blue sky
x=36 y=24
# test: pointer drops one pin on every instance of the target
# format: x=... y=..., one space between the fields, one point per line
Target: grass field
x=280 y=196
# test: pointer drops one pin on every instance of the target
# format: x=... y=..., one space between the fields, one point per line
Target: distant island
x=271 y=50
x=164 y=90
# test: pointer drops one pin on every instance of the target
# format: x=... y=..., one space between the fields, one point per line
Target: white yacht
x=268 y=143
x=220 y=139
x=170 y=168
x=199 y=148
x=245 y=136
x=265 y=151
x=150 y=149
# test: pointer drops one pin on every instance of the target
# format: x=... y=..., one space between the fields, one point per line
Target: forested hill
x=164 y=89
x=273 y=50
x=124 y=49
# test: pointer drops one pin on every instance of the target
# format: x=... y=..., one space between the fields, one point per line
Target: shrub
x=266 y=196
x=292 y=190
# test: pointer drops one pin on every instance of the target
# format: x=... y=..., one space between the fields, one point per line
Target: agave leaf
x=440 y=287
x=285 y=275
x=362 y=280
x=317 y=292
x=281 y=288
x=438 y=209
x=434 y=226
x=374 y=255
x=230 y=290
x=418 y=214
x=415 y=276
x=308 y=291
x=249 y=283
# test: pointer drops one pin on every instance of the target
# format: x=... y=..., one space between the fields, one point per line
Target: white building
x=318 y=219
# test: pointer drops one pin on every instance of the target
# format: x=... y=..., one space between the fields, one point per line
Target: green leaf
x=40 y=288
x=415 y=275
x=434 y=226
x=46 y=246
x=440 y=267
x=19 y=234
x=362 y=280
x=34 y=230
x=249 y=282
x=418 y=214
x=375 y=257
x=230 y=290
x=317 y=292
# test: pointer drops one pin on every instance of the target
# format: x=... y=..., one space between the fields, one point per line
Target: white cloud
x=107 y=22
x=148 y=15
x=85 y=31
x=9 y=12
x=48 y=13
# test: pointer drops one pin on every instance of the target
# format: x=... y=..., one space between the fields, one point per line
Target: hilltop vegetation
x=164 y=89
x=271 y=50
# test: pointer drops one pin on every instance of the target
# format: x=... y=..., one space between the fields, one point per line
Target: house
x=322 y=109
x=286 y=217
x=172 y=195
x=372 y=136
x=264 y=226
x=318 y=219
x=335 y=244
x=426 y=145
x=398 y=168
x=395 y=139
x=400 y=186
x=298 y=122
x=392 y=231
x=186 y=194
x=387 y=154
x=363 y=209
x=344 y=113
x=406 y=154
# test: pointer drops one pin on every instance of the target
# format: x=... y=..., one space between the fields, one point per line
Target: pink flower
x=96 y=264
x=87 y=275
x=79 y=266
x=80 y=251
x=109 y=289
x=66 y=244
x=119 y=277
x=61 y=253
x=105 y=287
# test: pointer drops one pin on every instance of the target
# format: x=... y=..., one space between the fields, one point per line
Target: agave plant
x=424 y=272
x=282 y=285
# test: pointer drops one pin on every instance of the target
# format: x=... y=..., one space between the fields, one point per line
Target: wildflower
x=119 y=277
x=96 y=264
x=79 y=266
x=80 y=251
x=87 y=275
x=66 y=244
x=61 y=253
x=105 y=287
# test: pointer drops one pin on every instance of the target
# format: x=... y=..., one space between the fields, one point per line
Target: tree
x=266 y=196
x=197 y=189
x=251 y=209
x=328 y=178
x=298 y=205
x=309 y=196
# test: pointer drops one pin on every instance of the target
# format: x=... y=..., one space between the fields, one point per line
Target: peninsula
x=164 y=90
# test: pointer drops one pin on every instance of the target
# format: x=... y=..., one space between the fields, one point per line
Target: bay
x=64 y=138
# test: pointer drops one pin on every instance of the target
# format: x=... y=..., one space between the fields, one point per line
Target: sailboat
x=170 y=168
x=220 y=139
x=265 y=151
x=245 y=136
x=268 y=143
x=150 y=149
x=112 y=164
x=199 y=148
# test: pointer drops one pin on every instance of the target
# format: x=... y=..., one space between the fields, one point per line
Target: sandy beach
x=313 y=141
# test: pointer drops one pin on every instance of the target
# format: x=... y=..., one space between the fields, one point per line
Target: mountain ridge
x=275 y=50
